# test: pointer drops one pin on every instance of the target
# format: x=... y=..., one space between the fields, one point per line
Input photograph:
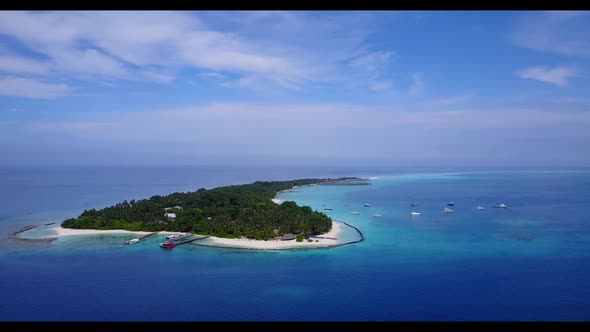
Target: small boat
x=480 y=208
x=367 y=205
x=451 y=203
x=132 y=241
x=346 y=204
x=415 y=213
x=501 y=205
x=376 y=215
x=167 y=244
x=173 y=237
x=413 y=204
x=328 y=209
x=355 y=212
x=447 y=210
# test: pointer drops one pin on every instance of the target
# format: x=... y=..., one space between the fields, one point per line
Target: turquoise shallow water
x=527 y=262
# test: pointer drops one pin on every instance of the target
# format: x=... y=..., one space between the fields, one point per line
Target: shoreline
x=58 y=231
x=325 y=240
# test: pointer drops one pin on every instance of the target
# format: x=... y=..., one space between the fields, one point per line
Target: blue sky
x=443 y=88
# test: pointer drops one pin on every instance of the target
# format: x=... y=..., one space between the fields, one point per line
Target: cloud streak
x=555 y=32
x=287 y=49
x=29 y=88
x=557 y=75
x=417 y=86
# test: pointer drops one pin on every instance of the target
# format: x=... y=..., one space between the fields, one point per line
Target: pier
x=190 y=240
x=147 y=235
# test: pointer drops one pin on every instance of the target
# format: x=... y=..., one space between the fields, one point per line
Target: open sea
x=529 y=261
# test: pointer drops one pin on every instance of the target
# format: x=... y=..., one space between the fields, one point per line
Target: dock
x=147 y=235
x=189 y=240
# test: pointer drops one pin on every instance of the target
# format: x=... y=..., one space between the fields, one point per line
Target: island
x=241 y=216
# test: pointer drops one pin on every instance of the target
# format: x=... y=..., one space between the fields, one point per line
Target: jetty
x=148 y=235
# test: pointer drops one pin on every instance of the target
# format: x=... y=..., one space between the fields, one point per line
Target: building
x=170 y=215
x=288 y=237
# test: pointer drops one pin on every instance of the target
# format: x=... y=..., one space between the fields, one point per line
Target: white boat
x=132 y=241
x=501 y=205
x=173 y=236
x=355 y=212
x=415 y=213
x=447 y=210
x=376 y=215
x=367 y=205
x=480 y=208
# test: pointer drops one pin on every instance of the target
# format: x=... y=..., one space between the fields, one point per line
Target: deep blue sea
x=530 y=261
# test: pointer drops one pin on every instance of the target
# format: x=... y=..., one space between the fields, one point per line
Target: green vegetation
x=299 y=238
x=229 y=212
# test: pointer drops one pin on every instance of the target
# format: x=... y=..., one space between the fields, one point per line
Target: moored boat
x=168 y=244
x=415 y=213
x=447 y=210
x=132 y=241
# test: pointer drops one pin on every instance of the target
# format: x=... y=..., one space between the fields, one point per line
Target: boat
x=167 y=244
x=355 y=212
x=132 y=241
x=376 y=215
x=447 y=210
x=328 y=209
x=480 y=208
x=367 y=205
x=451 y=203
x=173 y=237
x=413 y=204
x=415 y=213
x=346 y=204
x=501 y=205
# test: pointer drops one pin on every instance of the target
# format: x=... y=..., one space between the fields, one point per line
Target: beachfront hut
x=170 y=215
x=288 y=237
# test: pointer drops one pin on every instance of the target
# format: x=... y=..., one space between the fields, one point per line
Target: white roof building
x=170 y=215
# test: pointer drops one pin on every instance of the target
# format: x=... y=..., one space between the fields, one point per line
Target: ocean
x=529 y=261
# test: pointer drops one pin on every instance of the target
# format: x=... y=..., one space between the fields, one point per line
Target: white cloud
x=454 y=100
x=77 y=127
x=29 y=88
x=417 y=86
x=372 y=61
x=16 y=64
x=213 y=75
x=381 y=86
x=287 y=49
x=553 y=32
x=558 y=75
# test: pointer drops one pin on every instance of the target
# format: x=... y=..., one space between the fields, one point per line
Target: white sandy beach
x=58 y=231
x=330 y=239
x=278 y=244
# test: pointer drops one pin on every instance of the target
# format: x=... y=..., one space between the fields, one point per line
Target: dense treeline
x=232 y=211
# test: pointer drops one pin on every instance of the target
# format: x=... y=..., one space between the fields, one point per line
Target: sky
x=385 y=88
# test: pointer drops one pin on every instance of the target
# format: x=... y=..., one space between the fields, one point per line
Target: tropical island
x=247 y=212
